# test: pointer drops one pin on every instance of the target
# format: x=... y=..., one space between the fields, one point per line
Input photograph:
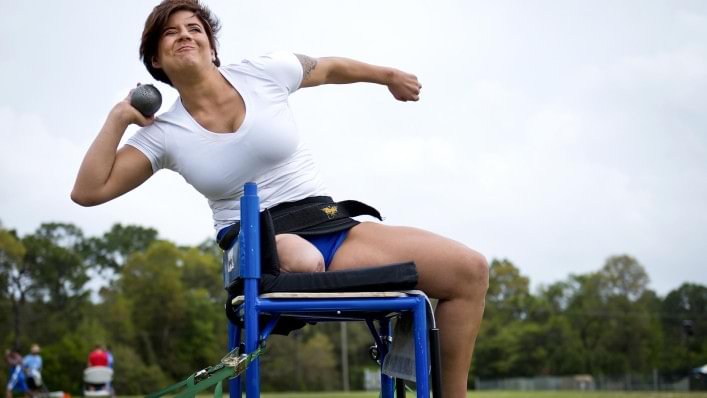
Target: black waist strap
x=310 y=216
x=304 y=219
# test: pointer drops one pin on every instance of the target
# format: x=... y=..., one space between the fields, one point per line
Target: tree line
x=604 y=323
x=160 y=309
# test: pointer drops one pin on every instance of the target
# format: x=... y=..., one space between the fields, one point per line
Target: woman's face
x=184 y=45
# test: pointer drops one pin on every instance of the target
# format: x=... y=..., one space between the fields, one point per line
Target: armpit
x=308 y=64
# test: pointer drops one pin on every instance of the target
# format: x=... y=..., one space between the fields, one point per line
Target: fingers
x=137 y=117
x=128 y=114
x=408 y=94
x=145 y=121
x=406 y=87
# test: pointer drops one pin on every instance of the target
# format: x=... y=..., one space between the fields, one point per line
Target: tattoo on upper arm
x=308 y=64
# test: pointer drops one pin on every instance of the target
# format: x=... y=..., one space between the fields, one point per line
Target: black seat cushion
x=402 y=276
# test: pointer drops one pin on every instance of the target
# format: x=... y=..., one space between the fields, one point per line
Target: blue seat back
x=232 y=264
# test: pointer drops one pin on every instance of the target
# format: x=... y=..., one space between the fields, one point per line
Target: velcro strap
x=319 y=213
x=297 y=218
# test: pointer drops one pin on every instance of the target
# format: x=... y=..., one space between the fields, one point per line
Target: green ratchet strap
x=231 y=365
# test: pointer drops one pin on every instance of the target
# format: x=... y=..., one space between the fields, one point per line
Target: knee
x=474 y=272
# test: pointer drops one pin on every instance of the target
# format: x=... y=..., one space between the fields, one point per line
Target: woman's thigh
x=446 y=268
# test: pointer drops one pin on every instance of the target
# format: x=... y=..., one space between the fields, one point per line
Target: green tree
x=319 y=363
x=133 y=377
x=508 y=295
x=625 y=290
x=202 y=270
x=54 y=259
x=115 y=314
x=622 y=276
x=151 y=280
x=506 y=327
x=610 y=309
x=13 y=278
x=548 y=310
x=58 y=277
x=303 y=361
x=684 y=323
x=112 y=250
x=175 y=300
x=65 y=235
x=282 y=361
x=586 y=310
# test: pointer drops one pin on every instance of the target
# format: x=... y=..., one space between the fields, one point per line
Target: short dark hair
x=155 y=24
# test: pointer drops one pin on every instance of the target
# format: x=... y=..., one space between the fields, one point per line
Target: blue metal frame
x=378 y=308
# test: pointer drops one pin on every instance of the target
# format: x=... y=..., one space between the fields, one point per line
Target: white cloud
x=33 y=160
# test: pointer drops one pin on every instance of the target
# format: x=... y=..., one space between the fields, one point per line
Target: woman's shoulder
x=176 y=115
x=280 y=67
x=266 y=60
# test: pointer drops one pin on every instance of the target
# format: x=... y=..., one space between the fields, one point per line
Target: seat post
x=234 y=340
x=387 y=382
x=421 y=341
x=250 y=272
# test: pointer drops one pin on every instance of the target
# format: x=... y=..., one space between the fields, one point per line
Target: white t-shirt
x=266 y=148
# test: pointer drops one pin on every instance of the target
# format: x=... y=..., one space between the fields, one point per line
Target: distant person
x=32 y=364
x=110 y=365
x=16 y=380
x=97 y=357
x=110 y=356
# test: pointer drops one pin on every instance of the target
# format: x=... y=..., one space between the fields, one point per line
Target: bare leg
x=298 y=255
x=448 y=271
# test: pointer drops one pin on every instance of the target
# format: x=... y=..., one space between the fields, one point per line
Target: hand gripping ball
x=147 y=99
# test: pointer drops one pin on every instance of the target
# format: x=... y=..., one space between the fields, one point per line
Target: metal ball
x=147 y=99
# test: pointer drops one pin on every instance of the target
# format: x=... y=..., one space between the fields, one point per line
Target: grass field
x=510 y=394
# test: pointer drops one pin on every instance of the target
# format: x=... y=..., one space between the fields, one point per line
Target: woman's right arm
x=107 y=172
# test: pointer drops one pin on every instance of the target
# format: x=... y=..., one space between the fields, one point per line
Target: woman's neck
x=203 y=91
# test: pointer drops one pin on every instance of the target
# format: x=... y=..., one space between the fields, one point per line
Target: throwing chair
x=262 y=303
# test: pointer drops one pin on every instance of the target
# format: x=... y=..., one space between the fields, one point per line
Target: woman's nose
x=184 y=33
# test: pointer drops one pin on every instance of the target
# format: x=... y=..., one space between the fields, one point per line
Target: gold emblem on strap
x=330 y=211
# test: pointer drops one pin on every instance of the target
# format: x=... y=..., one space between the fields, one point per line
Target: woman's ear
x=155 y=62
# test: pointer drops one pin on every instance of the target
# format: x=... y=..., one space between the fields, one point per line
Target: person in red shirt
x=98 y=357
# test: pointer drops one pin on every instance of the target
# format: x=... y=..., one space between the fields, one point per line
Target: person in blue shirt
x=110 y=365
x=110 y=356
x=32 y=364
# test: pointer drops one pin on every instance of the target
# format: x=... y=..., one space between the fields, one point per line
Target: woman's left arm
x=336 y=70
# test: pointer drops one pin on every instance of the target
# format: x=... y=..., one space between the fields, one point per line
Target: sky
x=554 y=134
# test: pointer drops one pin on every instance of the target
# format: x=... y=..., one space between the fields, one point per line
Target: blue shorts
x=327 y=244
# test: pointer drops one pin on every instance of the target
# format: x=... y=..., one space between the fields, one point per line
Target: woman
x=232 y=124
